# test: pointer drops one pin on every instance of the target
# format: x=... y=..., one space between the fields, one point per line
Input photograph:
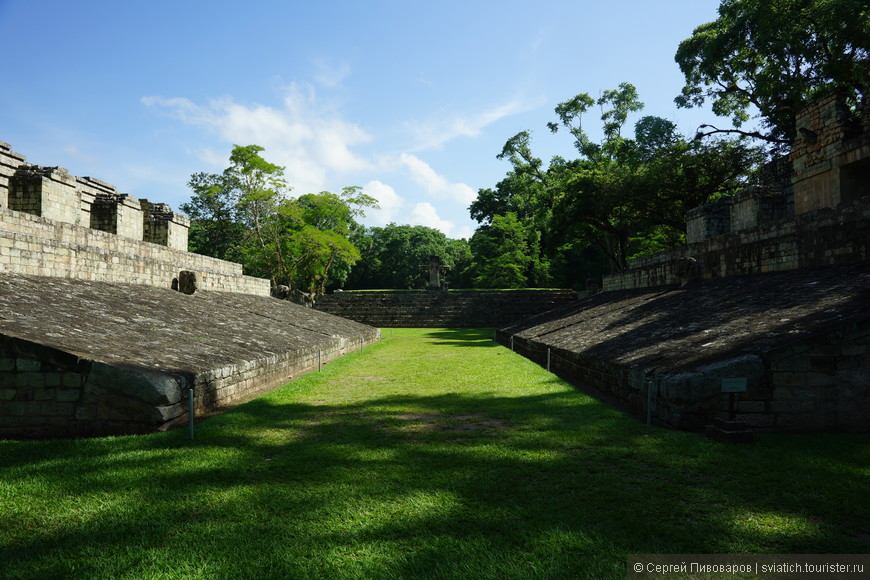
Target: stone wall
x=10 y=161
x=52 y=193
x=823 y=237
x=49 y=192
x=51 y=393
x=442 y=309
x=708 y=221
x=831 y=156
x=815 y=384
x=810 y=209
x=36 y=246
x=54 y=224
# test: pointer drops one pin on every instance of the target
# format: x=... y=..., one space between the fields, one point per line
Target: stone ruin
x=770 y=294
x=93 y=339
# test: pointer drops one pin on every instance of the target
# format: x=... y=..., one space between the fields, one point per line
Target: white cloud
x=306 y=137
x=425 y=214
x=389 y=201
x=435 y=133
x=330 y=74
x=435 y=184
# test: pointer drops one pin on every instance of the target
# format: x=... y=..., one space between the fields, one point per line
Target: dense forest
x=578 y=216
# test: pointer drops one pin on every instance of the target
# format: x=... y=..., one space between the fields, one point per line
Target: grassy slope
x=433 y=454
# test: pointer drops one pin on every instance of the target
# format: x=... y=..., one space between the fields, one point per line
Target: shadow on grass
x=453 y=485
x=466 y=337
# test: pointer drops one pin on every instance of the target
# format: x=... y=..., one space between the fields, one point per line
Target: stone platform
x=80 y=358
x=442 y=309
x=800 y=339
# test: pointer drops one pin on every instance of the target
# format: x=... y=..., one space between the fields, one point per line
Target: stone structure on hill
x=93 y=338
x=769 y=297
x=809 y=210
x=55 y=224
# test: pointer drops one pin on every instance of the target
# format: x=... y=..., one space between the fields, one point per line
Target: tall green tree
x=216 y=227
x=507 y=255
x=774 y=56
x=622 y=195
x=246 y=214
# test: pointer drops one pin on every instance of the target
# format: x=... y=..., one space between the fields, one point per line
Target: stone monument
x=435 y=268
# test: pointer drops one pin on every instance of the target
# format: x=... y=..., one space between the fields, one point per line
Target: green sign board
x=737 y=385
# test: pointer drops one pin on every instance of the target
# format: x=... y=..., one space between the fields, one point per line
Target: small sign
x=734 y=385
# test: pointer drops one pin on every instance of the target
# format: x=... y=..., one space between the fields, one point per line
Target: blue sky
x=410 y=100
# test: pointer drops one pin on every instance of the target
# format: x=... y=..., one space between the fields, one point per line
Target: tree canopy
x=622 y=195
x=245 y=214
x=774 y=57
x=397 y=257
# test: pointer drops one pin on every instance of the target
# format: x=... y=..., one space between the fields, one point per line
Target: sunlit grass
x=433 y=454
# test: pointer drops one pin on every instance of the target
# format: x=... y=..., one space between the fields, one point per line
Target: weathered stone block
x=16 y=408
x=116 y=408
x=789 y=379
x=44 y=395
x=27 y=365
x=149 y=387
x=821 y=380
x=55 y=409
x=68 y=395
x=86 y=413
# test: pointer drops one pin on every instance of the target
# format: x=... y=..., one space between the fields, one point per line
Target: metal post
x=548 y=359
x=512 y=342
x=191 y=413
x=649 y=385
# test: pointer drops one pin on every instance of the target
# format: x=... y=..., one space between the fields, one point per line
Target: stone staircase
x=442 y=309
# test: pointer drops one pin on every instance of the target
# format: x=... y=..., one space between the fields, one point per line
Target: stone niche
x=48 y=192
x=163 y=226
x=119 y=214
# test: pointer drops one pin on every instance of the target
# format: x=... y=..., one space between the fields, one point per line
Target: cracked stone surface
x=157 y=328
x=674 y=329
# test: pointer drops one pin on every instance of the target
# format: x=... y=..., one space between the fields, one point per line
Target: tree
x=775 y=57
x=506 y=255
x=623 y=195
x=246 y=214
x=216 y=228
x=396 y=257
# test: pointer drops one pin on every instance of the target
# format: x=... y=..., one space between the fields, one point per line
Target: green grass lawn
x=432 y=454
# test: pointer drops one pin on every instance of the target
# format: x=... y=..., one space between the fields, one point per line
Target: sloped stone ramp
x=800 y=339
x=80 y=358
